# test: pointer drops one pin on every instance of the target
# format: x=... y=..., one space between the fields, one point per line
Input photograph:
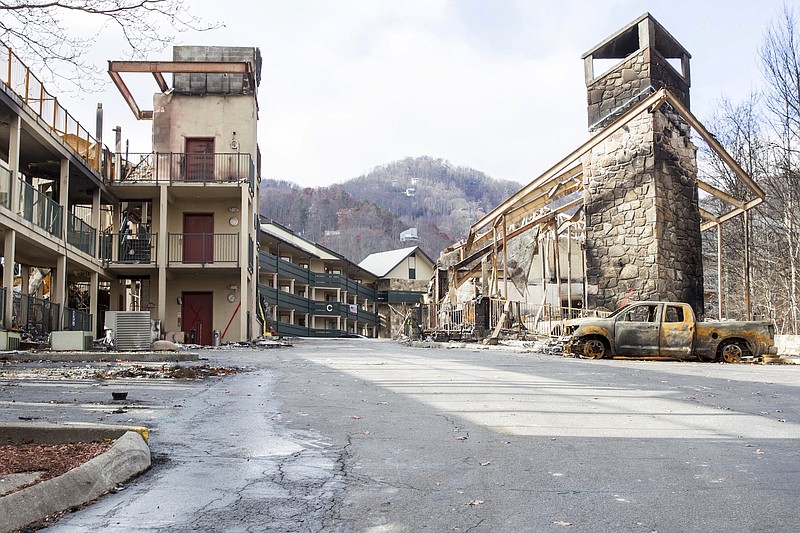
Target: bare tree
x=780 y=58
x=41 y=32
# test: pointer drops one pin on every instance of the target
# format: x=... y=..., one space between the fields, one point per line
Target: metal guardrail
x=203 y=249
x=19 y=78
x=39 y=209
x=35 y=316
x=187 y=167
x=76 y=320
x=125 y=248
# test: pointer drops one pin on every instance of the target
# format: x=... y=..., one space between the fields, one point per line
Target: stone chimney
x=642 y=219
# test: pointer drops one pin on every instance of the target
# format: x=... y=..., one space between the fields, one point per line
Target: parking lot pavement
x=363 y=435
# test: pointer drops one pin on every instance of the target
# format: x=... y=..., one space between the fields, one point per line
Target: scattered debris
x=168 y=372
x=116 y=371
x=476 y=502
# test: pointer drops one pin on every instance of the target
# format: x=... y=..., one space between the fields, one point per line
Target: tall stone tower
x=642 y=219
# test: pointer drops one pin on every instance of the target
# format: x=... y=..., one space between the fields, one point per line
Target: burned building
x=618 y=219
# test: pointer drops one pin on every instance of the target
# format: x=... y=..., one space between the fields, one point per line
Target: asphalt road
x=369 y=436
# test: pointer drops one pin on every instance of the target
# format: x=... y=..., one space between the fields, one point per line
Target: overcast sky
x=496 y=85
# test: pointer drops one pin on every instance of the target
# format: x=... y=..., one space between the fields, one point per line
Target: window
x=641 y=313
x=412 y=273
x=673 y=314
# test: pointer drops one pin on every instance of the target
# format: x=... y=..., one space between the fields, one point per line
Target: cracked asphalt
x=357 y=435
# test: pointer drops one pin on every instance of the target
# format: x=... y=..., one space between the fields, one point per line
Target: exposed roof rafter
x=159 y=68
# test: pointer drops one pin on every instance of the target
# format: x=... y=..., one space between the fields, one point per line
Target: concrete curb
x=138 y=357
x=129 y=456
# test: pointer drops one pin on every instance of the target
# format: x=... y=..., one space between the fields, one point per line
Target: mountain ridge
x=366 y=214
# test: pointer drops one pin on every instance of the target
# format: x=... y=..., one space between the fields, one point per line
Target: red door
x=197 y=313
x=198 y=238
x=200 y=159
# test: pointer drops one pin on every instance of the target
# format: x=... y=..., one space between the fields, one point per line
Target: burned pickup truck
x=668 y=329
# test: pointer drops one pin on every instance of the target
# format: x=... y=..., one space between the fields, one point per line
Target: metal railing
x=535 y=319
x=19 y=78
x=172 y=167
x=125 y=248
x=203 y=249
x=39 y=209
x=80 y=234
x=516 y=318
x=452 y=318
x=35 y=316
x=76 y=320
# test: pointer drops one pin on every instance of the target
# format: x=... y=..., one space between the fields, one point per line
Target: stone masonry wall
x=680 y=263
x=621 y=249
x=642 y=221
x=627 y=84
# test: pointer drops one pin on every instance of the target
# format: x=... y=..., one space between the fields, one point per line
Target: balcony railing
x=287 y=300
x=15 y=75
x=6 y=180
x=203 y=249
x=125 y=248
x=80 y=234
x=296 y=272
x=173 y=167
x=270 y=263
x=40 y=209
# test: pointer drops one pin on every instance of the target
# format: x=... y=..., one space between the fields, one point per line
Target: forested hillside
x=367 y=214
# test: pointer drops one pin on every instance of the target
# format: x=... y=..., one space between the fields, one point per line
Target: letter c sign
x=329 y=308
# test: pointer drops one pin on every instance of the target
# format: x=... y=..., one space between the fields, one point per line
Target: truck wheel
x=732 y=352
x=594 y=349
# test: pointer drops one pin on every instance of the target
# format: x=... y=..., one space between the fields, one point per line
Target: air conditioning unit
x=9 y=340
x=70 y=340
x=131 y=329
